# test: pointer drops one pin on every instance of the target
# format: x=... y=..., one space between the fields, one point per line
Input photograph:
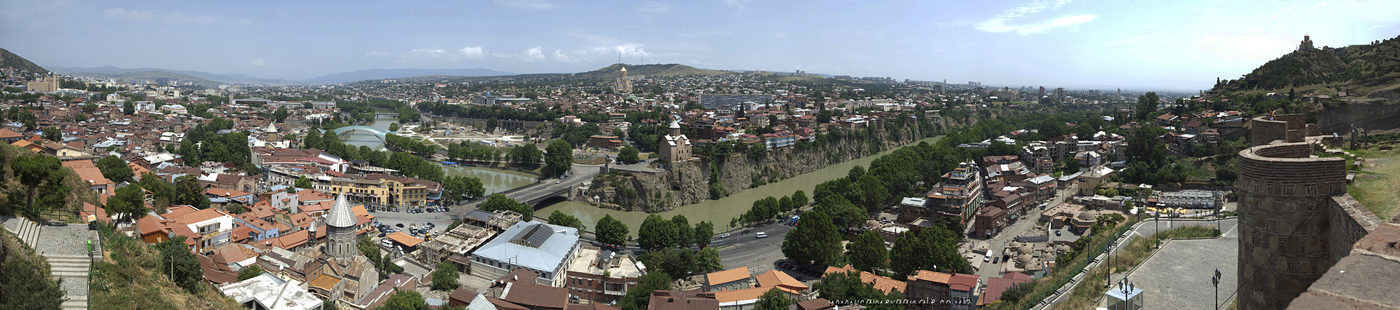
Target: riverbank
x=721 y=211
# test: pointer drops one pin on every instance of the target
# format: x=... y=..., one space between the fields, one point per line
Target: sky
x=1180 y=45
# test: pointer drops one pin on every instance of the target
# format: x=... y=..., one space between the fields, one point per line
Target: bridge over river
x=549 y=189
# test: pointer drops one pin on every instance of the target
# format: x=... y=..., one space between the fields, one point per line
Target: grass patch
x=128 y=279
x=1376 y=184
x=1088 y=293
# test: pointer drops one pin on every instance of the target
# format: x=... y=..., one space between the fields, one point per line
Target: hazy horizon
x=1179 y=45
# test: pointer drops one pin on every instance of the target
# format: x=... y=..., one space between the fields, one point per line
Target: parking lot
x=439 y=220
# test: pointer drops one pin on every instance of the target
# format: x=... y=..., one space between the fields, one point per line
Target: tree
x=89 y=108
x=128 y=108
x=405 y=300
x=561 y=219
x=445 y=277
x=179 y=263
x=129 y=200
x=799 y=198
x=525 y=154
x=848 y=286
x=303 y=182
x=312 y=140
x=1147 y=103
x=868 y=251
x=80 y=117
x=685 y=235
x=249 y=272
x=393 y=127
x=280 y=115
x=639 y=296
x=934 y=248
x=611 y=231
x=855 y=173
x=559 y=157
x=703 y=233
x=157 y=186
x=501 y=202
x=52 y=134
x=816 y=241
x=656 y=233
x=189 y=192
x=25 y=284
x=628 y=155
x=707 y=259
x=34 y=171
x=773 y=299
x=115 y=169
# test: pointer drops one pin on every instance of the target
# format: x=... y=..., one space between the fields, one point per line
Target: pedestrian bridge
x=375 y=131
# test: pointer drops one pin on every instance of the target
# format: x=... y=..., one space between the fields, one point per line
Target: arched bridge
x=376 y=131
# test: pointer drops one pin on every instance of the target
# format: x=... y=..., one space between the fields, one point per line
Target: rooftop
x=272 y=293
x=548 y=255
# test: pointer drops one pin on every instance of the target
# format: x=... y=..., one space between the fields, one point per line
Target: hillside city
x=663 y=186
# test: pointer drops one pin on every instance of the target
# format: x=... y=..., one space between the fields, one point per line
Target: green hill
x=1357 y=69
x=10 y=60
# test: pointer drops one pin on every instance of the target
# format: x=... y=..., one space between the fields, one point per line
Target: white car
x=761 y=235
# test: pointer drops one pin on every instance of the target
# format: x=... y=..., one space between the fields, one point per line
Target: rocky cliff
x=688 y=182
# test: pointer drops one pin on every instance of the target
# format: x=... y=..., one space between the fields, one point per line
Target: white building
x=541 y=248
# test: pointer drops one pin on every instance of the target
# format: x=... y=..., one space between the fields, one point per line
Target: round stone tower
x=340 y=230
x=1283 y=221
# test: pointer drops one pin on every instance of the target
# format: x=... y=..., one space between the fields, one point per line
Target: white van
x=761 y=235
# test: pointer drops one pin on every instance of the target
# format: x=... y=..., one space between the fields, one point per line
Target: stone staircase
x=73 y=269
x=26 y=230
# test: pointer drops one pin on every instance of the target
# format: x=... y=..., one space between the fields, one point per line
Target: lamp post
x=1215 y=281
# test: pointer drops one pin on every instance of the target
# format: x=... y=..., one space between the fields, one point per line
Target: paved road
x=759 y=254
x=998 y=243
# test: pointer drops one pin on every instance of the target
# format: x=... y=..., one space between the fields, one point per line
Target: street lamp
x=1215 y=281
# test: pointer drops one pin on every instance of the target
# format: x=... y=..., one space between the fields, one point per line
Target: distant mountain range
x=205 y=78
x=10 y=60
x=378 y=74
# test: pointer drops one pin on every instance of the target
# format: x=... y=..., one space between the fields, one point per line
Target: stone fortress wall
x=1296 y=219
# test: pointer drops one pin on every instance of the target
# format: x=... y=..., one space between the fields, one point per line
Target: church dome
x=1023 y=249
x=340 y=214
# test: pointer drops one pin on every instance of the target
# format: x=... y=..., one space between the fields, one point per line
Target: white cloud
x=999 y=23
x=129 y=15
x=629 y=52
x=703 y=34
x=533 y=55
x=475 y=52
x=527 y=4
x=653 y=8
x=123 y=14
x=259 y=62
x=738 y=4
x=378 y=54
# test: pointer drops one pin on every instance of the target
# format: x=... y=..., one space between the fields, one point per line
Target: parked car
x=996 y=260
x=761 y=235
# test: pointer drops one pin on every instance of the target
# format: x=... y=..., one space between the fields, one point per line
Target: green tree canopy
x=816 y=241
x=704 y=231
x=559 y=157
x=188 y=191
x=773 y=299
x=249 y=272
x=868 y=251
x=178 y=262
x=611 y=231
x=445 y=277
x=561 y=219
x=129 y=200
x=405 y=300
x=501 y=202
x=685 y=235
x=639 y=296
x=52 y=134
x=628 y=155
x=115 y=169
x=656 y=233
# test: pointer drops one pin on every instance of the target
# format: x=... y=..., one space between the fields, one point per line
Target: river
x=719 y=211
